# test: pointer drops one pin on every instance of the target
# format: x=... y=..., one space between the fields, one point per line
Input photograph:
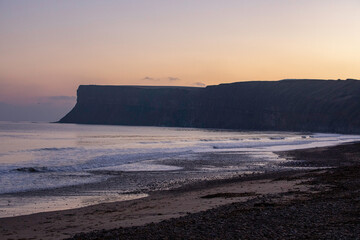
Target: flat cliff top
x=285 y=105
x=138 y=86
x=309 y=81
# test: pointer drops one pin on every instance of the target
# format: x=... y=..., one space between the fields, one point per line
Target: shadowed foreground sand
x=276 y=205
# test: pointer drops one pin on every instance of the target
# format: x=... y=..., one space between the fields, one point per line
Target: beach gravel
x=333 y=213
x=330 y=211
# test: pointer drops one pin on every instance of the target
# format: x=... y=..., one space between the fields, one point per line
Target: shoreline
x=180 y=203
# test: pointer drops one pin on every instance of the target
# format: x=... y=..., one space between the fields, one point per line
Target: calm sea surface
x=43 y=159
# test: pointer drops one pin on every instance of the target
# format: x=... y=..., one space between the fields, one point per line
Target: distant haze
x=49 y=109
x=48 y=48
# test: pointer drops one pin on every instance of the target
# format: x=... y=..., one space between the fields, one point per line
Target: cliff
x=287 y=105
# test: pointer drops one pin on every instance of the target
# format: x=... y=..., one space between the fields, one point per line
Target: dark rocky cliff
x=287 y=105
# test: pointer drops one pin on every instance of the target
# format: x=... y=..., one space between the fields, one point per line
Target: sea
x=52 y=166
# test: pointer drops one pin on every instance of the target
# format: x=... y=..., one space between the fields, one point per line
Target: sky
x=48 y=48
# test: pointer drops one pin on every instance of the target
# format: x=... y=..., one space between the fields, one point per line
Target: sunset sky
x=48 y=48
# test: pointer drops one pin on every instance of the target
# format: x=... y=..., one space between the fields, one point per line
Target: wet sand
x=217 y=204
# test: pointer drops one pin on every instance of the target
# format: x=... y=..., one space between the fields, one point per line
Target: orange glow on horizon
x=49 y=48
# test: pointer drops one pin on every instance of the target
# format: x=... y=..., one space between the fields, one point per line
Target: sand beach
x=317 y=203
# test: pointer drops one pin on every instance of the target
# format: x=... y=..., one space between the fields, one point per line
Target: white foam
x=140 y=167
x=65 y=154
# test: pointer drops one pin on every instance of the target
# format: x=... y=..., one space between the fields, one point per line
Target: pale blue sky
x=48 y=48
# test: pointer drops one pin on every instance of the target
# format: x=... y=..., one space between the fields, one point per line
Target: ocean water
x=63 y=158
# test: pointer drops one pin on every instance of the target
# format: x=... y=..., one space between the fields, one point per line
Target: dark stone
x=287 y=105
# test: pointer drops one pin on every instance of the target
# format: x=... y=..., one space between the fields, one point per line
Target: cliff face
x=287 y=105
